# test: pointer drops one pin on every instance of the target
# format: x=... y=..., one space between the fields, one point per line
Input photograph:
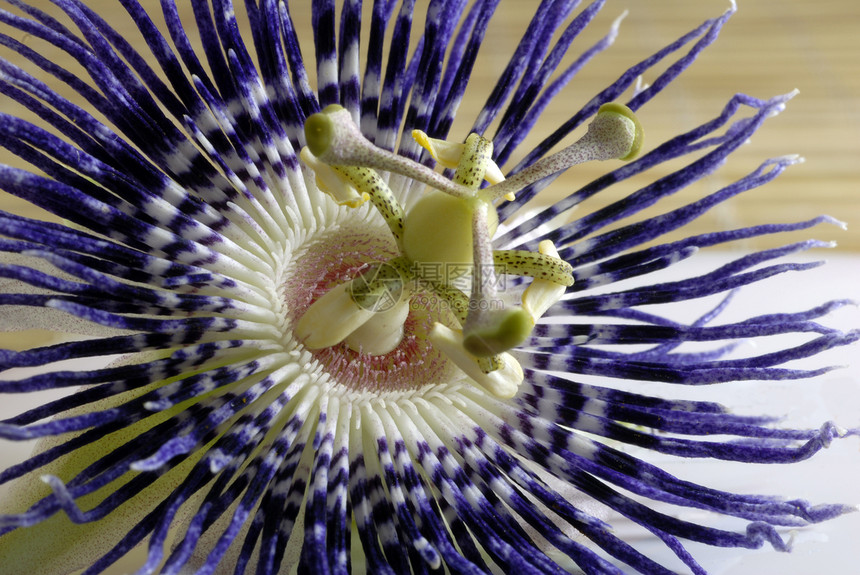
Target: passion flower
x=335 y=358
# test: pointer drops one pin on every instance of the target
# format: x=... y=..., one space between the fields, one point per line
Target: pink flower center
x=339 y=257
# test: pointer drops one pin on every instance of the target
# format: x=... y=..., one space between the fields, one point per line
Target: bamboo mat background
x=769 y=47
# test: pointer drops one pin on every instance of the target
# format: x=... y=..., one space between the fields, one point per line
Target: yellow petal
x=446 y=153
x=338 y=187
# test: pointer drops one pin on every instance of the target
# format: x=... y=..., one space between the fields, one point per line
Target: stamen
x=382 y=333
x=477 y=153
x=444 y=152
x=379 y=287
x=543 y=265
x=495 y=331
x=374 y=188
x=615 y=133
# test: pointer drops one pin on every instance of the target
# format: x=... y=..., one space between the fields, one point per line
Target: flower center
x=344 y=256
x=449 y=228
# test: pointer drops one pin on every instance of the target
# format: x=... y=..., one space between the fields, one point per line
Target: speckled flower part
x=219 y=423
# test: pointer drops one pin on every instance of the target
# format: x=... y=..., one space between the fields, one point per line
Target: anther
x=368 y=313
x=331 y=319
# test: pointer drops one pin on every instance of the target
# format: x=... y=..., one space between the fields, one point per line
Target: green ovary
x=438 y=231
